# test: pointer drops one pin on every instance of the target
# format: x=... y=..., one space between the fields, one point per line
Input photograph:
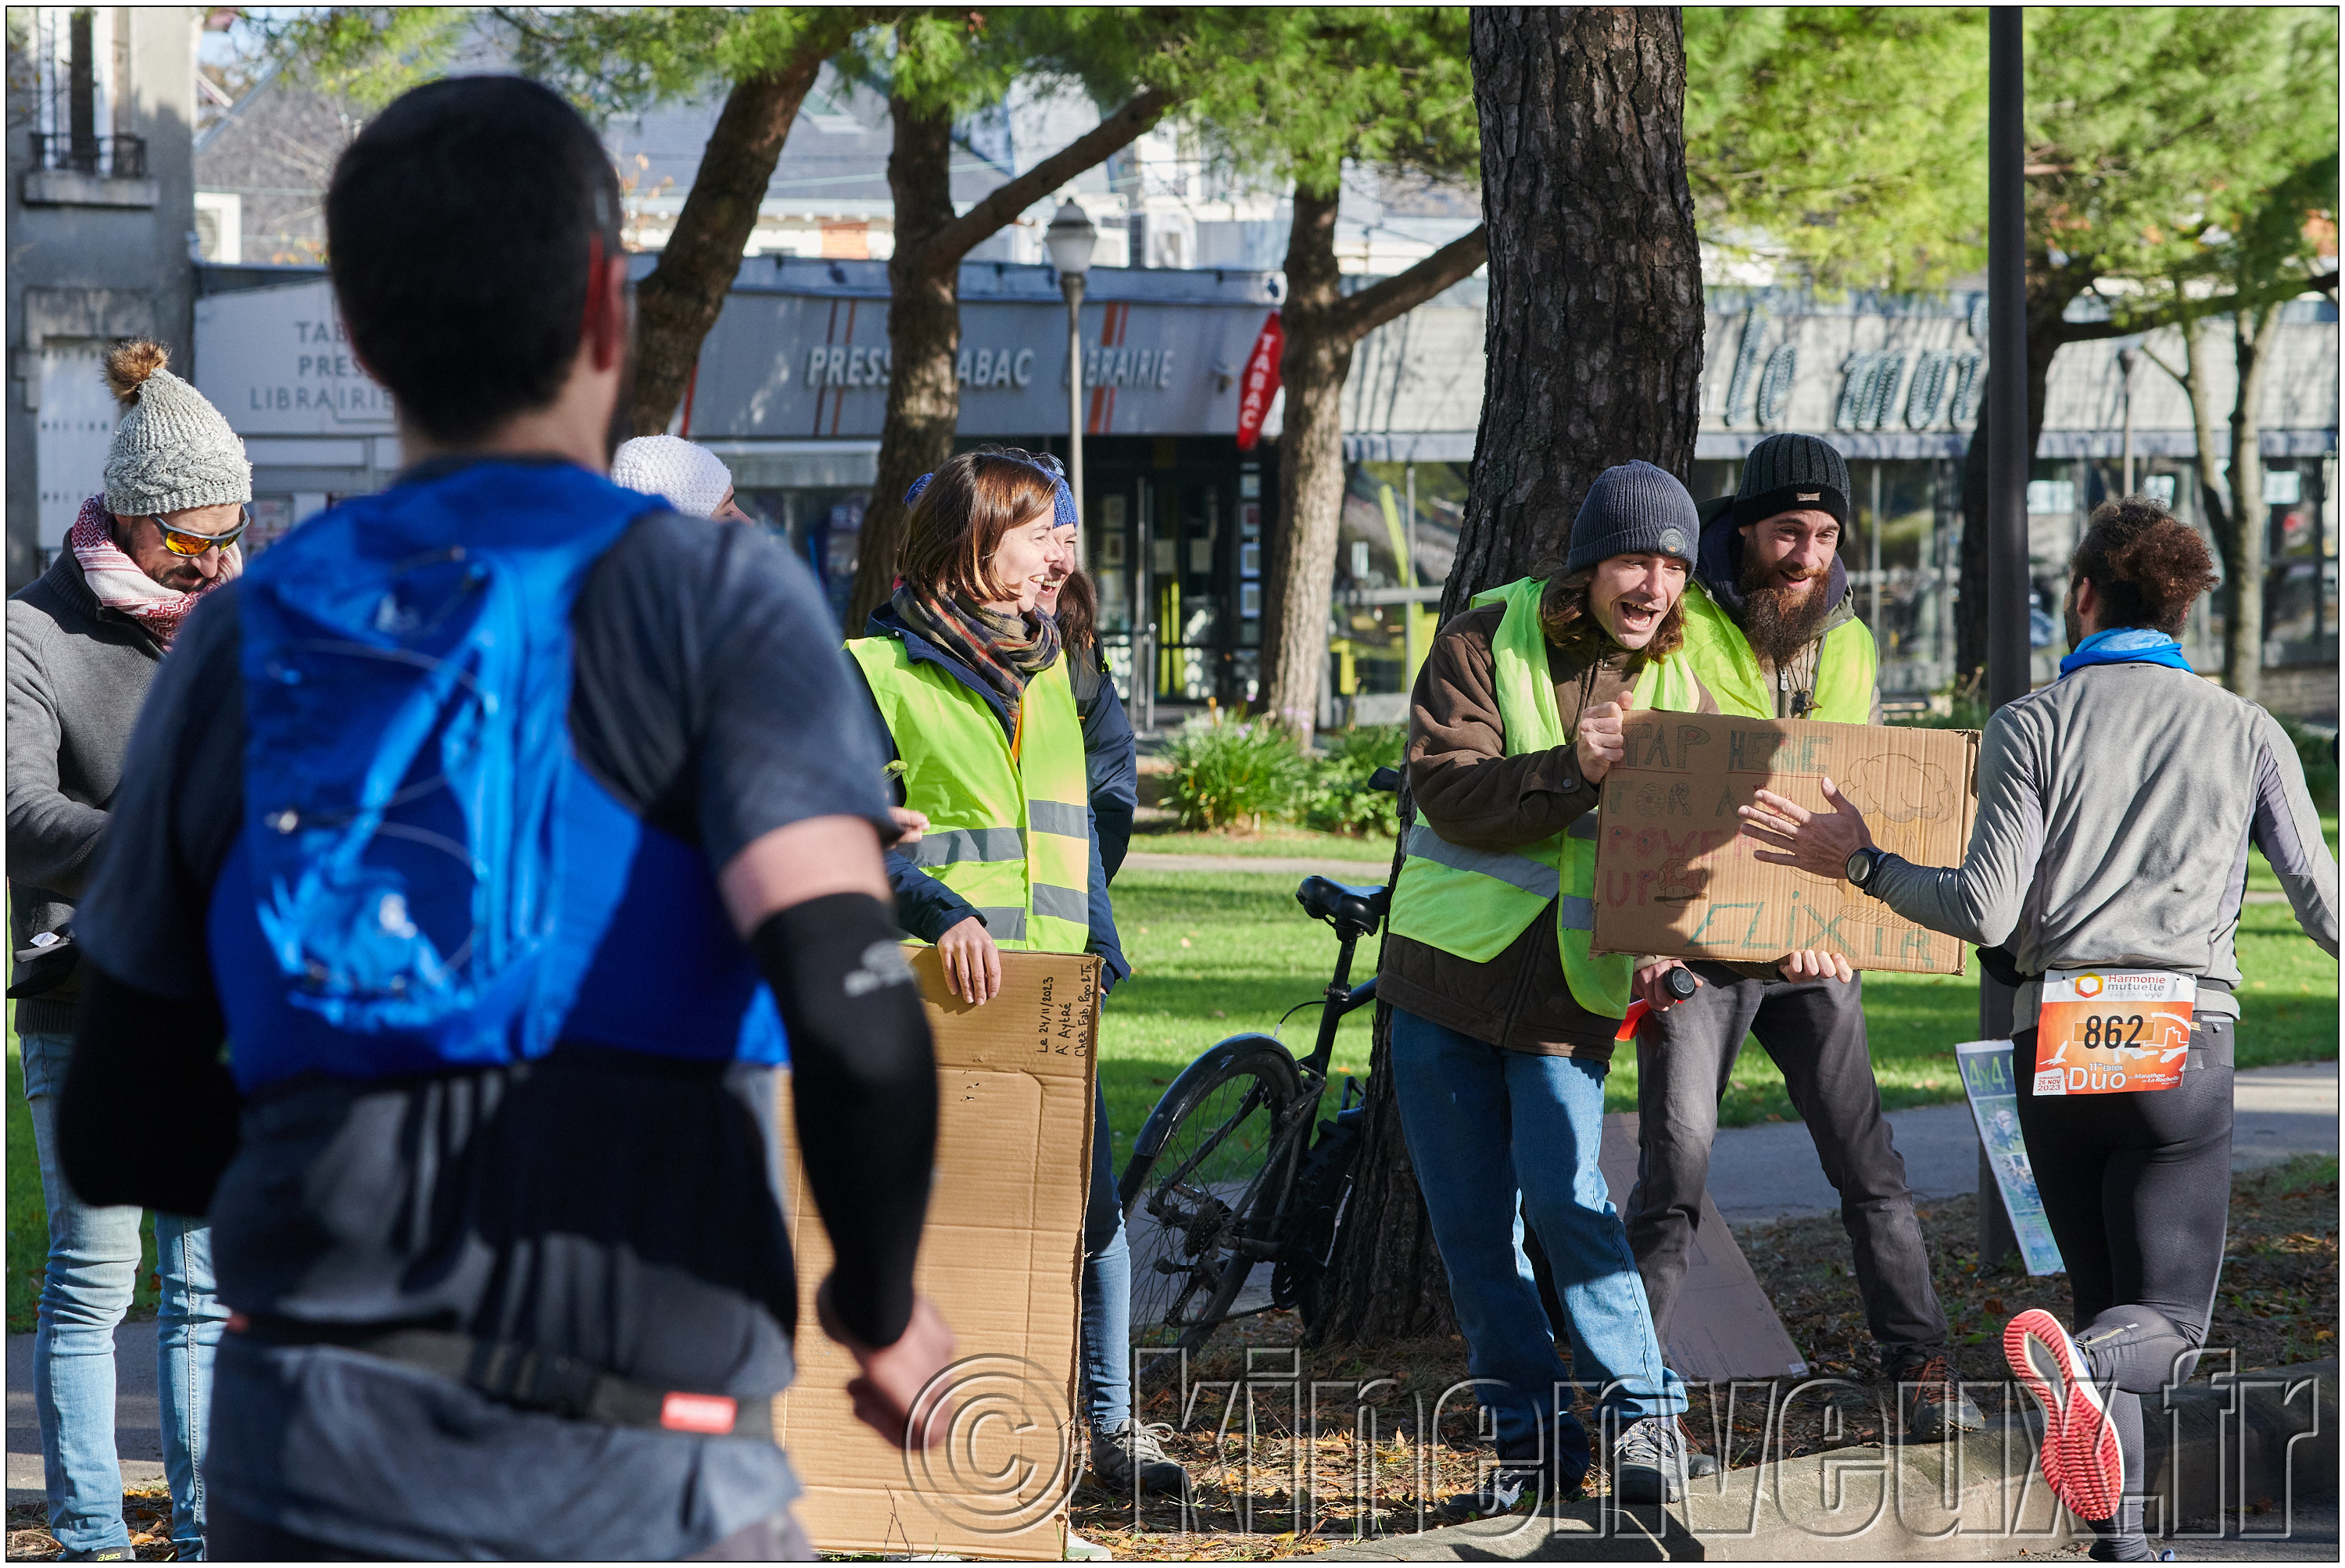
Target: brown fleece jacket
x=1468 y=790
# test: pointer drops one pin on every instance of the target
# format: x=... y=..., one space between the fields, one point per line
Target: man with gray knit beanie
x=1772 y=630
x=83 y=645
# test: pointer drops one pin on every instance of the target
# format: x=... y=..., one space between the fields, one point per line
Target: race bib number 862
x=2112 y=1030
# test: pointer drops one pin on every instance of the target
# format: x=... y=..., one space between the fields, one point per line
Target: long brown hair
x=1569 y=621
x=960 y=519
x=1078 y=611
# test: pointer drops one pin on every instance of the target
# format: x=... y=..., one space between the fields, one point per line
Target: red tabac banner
x=1261 y=383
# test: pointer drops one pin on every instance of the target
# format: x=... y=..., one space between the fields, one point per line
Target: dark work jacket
x=924 y=906
x=1111 y=756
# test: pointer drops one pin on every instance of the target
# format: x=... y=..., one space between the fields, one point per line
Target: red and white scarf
x=119 y=582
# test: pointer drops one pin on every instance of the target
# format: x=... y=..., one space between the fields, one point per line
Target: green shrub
x=1340 y=800
x=1229 y=773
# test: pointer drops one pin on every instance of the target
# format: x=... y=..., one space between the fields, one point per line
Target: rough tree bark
x=2244 y=532
x=2048 y=295
x=1323 y=325
x=679 y=302
x=924 y=306
x=1594 y=345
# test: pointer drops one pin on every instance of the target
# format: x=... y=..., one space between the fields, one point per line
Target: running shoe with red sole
x=2080 y=1454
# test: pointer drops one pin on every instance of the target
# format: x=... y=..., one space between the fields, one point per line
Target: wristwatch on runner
x=1863 y=864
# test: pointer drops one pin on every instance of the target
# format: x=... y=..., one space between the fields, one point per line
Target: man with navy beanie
x=1771 y=629
x=1504 y=1017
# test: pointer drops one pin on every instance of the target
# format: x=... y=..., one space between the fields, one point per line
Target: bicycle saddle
x=1356 y=911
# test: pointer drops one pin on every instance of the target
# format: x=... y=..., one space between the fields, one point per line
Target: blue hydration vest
x=425 y=878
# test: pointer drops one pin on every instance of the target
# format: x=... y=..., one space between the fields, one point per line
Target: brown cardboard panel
x=1002 y=1260
x=1723 y=1327
x=1675 y=876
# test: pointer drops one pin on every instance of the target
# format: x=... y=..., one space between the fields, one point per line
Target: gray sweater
x=2116 y=808
x=76 y=675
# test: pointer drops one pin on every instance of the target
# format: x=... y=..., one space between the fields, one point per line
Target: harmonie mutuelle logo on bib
x=2122 y=1032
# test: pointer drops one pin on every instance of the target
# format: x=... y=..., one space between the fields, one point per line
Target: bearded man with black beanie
x=1771 y=631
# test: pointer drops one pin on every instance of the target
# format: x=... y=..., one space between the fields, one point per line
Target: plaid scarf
x=120 y=584
x=1006 y=651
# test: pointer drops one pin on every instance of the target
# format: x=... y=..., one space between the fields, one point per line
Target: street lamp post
x=2128 y=360
x=1070 y=238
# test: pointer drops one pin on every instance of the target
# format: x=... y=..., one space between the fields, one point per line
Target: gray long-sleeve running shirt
x=2116 y=808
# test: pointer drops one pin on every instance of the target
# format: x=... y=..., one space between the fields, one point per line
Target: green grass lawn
x=1215 y=954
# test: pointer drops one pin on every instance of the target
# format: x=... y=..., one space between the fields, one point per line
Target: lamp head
x=1069 y=238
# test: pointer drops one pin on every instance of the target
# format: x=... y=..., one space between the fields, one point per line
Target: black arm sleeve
x=863 y=1075
x=148 y=1116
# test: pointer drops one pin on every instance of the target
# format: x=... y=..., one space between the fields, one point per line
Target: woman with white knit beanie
x=692 y=479
x=84 y=643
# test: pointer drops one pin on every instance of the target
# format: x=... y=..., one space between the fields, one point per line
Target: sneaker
x=1133 y=1452
x=1649 y=1461
x=1930 y=1398
x=1508 y=1489
x=104 y=1554
x=2080 y=1454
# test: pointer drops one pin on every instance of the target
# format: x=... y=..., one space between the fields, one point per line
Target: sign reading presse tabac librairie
x=1675 y=876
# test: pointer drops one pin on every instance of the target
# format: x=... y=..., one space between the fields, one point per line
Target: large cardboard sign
x=1002 y=1261
x=1675 y=876
x=1723 y=1327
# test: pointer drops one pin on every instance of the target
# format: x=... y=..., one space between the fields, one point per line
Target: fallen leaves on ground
x=1366 y=1469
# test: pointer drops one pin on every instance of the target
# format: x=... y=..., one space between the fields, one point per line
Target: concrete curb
x=2218 y=1451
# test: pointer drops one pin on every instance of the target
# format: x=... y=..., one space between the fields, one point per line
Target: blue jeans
x=1496 y=1137
x=1107 y=1292
x=93 y=1268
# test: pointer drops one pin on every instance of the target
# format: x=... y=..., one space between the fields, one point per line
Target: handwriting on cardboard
x=1068 y=1017
x=1675 y=876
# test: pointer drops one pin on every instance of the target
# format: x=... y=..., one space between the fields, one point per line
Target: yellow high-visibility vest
x=1476 y=903
x=1011 y=834
x=1718 y=653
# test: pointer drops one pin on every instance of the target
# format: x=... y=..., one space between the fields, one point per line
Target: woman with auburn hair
x=972 y=689
x=2104 y=878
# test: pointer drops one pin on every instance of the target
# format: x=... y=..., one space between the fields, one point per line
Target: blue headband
x=1062 y=500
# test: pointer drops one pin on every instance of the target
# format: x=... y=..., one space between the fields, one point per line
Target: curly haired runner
x=2107 y=865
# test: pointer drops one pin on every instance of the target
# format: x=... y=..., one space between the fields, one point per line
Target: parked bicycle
x=1233 y=1168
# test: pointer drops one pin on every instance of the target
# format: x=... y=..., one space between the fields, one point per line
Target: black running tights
x=2137 y=1188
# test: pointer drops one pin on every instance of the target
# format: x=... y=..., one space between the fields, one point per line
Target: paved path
x=1770 y=1171
x=1368 y=871
x=1761 y=1173
x=137 y=1414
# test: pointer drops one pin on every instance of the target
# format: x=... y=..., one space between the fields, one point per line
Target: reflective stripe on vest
x=1010 y=836
x=1474 y=903
x=1719 y=655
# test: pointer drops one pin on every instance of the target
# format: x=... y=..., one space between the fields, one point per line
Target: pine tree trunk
x=680 y=301
x=2046 y=302
x=923 y=340
x=1313 y=367
x=924 y=307
x=1594 y=346
x=2243 y=575
x=1323 y=325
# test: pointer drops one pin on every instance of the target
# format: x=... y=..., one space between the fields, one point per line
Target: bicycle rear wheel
x=1192 y=1188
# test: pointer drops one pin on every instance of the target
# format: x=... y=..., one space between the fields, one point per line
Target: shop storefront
x=791 y=391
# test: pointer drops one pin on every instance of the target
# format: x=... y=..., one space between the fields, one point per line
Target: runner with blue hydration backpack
x=511 y=829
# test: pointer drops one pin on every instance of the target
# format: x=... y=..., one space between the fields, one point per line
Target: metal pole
x=1876 y=547
x=2005 y=429
x=1070 y=284
x=2128 y=360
